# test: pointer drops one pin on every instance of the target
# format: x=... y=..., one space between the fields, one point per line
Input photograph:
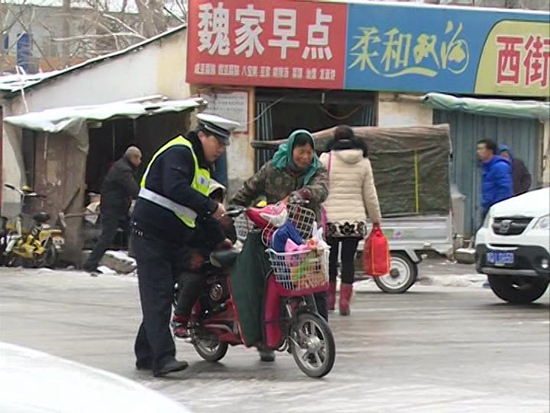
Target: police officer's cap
x=220 y=127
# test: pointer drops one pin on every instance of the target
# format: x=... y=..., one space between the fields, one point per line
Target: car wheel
x=518 y=290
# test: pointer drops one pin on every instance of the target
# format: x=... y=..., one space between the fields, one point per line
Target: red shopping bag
x=376 y=254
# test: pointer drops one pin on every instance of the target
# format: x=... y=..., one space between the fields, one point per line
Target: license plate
x=500 y=259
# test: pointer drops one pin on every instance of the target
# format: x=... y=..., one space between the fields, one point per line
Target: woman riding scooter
x=294 y=171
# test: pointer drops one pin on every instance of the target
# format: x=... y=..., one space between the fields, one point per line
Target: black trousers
x=191 y=285
x=349 y=248
x=321 y=301
x=158 y=265
x=110 y=223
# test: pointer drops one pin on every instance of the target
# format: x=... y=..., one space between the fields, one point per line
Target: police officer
x=172 y=199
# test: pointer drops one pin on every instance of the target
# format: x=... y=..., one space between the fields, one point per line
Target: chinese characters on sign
x=394 y=53
x=523 y=61
x=262 y=43
x=360 y=46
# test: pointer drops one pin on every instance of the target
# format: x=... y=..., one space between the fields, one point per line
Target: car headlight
x=543 y=222
x=487 y=220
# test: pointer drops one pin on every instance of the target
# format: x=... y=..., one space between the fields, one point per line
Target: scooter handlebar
x=23 y=193
x=234 y=211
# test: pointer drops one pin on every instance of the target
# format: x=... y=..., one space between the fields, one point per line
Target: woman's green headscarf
x=283 y=157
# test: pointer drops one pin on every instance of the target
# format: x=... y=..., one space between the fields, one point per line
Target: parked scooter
x=290 y=320
x=37 y=247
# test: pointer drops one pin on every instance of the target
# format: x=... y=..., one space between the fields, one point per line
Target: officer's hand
x=196 y=262
x=226 y=222
x=219 y=212
x=226 y=244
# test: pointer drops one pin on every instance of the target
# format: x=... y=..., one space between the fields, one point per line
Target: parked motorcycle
x=37 y=247
x=290 y=319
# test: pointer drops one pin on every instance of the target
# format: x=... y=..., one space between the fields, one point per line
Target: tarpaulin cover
x=504 y=108
x=74 y=120
x=411 y=166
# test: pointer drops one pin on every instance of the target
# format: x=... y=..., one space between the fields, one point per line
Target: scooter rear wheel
x=210 y=348
x=312 y=345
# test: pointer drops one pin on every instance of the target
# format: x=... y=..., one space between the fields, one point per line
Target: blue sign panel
x=437 y=49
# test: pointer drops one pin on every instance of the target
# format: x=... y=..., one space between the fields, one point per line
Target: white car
x=513 y=247
x=36 y=382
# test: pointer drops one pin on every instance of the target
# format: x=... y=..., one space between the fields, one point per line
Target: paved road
x=431 y=350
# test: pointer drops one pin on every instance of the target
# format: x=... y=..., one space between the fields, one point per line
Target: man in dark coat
x=119 y=188
x=520 y=174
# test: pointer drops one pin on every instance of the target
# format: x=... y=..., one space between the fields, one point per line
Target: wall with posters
x=237 y=104
x=369 y=46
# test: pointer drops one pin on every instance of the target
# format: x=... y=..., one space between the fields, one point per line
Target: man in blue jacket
x=497 y=182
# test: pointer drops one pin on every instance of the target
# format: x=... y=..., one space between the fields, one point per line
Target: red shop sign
x=267 y=43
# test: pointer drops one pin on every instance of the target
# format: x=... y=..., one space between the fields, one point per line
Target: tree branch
x=95 y=36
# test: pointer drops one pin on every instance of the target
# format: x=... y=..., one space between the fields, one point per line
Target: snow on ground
x=436 y=273
x=121 y=255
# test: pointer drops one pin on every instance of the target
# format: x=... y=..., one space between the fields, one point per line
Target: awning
x=528 y=109
x=74 y=120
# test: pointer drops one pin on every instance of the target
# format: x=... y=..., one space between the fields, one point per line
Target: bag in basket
x=376 y=254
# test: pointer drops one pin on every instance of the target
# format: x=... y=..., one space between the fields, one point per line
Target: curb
x=454 y=280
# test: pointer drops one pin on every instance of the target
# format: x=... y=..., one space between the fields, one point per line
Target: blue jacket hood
x=505 y=148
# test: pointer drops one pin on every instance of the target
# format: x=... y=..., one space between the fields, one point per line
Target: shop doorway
x=281 y=111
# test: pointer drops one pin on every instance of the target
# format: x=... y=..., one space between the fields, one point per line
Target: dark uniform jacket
x=119 y=188
x=171 y=176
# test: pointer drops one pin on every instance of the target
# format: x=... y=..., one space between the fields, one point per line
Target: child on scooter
x=192 y=279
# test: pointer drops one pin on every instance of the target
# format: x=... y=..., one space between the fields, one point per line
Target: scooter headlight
x=276 y=220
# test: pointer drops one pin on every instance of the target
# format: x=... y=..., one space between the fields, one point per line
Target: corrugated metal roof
x=74 y=118
x=13 y=83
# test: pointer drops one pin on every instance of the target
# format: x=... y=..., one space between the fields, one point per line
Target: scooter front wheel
x=210 y=348
x=312 y=345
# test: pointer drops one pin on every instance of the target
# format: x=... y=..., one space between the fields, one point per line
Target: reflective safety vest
x=201 y=183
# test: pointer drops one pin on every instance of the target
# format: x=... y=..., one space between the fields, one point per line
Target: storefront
x=316 y=64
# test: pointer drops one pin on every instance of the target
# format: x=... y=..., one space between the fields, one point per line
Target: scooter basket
x=302 y=218
x=300 y=273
